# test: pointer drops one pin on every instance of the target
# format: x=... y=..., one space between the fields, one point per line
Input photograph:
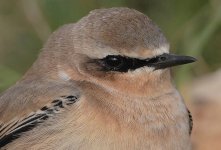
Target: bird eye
x=113 y=62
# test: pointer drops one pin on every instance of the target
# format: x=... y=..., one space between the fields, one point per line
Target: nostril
x=162 y=58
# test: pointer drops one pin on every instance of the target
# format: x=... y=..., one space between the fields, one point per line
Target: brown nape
x=58 y=51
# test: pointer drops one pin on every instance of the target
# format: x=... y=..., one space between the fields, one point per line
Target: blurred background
x=193 y=27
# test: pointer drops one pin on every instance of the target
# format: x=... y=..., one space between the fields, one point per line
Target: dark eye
x=113 y=62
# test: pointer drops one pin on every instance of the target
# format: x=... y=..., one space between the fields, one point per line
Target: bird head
x=119 y=49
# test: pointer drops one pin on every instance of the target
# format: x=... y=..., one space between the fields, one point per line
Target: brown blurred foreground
x=206 y=111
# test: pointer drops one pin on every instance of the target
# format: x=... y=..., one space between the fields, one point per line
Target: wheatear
x=101 y=83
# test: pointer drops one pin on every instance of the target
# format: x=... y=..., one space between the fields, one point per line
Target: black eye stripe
x=121 y=63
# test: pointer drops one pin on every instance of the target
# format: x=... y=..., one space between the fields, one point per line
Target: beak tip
x=192 y=59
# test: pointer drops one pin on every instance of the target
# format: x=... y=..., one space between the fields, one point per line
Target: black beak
x=168 y=60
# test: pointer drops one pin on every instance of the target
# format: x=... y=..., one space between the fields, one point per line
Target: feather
x=14 y=129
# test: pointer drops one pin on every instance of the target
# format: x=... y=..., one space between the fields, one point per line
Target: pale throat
x=139 y=84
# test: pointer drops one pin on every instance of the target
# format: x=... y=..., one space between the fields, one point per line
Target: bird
x=103 y=82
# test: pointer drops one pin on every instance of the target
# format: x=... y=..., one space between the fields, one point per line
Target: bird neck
x=131 y=108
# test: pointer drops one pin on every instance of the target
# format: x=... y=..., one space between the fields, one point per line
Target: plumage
x=12 y=130
x=190 y=122
x=100 y=83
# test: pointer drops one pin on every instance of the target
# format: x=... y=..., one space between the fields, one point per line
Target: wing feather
x=13 y=129
x=190 y=122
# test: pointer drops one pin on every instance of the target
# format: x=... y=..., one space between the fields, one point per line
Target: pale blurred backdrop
x=193 y=27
